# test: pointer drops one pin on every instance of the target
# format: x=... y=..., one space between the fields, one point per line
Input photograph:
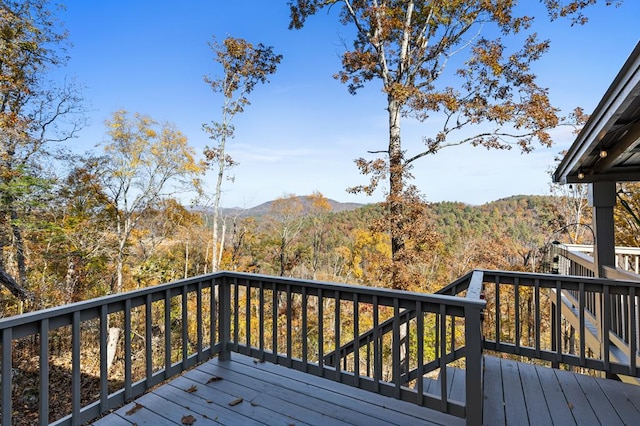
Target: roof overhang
x=607 y=148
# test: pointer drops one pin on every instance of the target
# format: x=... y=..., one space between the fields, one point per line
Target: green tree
x=143 y=164
x=244 y=66
x=33 y=114
x=488 y=97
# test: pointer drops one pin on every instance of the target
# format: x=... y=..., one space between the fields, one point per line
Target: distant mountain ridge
x=265 y=208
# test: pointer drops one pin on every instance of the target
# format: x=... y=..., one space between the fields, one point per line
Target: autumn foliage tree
x=144 y=162
x=462 y=66
x=244 y=66
x=34 y=113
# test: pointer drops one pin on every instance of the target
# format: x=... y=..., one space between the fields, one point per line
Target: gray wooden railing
x=622 y=321
x=170 y=328
x=515 y=320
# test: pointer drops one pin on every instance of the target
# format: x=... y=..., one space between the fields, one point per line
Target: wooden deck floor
x=269 y=394
x=524 y=394
x=249 y=393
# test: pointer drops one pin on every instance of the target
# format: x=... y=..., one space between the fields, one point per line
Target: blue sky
x=303 y=130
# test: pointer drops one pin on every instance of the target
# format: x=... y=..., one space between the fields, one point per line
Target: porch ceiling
x=614 y=128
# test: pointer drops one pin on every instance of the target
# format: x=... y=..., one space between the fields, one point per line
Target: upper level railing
x=626 y=258
x=168 y=328
x=618 y=327
x=530 y=315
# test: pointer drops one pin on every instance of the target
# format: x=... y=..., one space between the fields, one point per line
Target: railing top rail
x=552 y=278
x=580 y=258
x=97 y=302
x=588 y=248
x=620 y=274
x=474 y=291
x=362 y=290
x=59 y=311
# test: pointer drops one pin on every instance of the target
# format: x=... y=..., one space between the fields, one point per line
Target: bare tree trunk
x=396 y=184
x=221 y=248
x=15 y=288
x=18 y=243
x=186 y=259
x=112 y=344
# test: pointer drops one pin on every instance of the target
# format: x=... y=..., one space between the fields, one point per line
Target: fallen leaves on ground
x=192 y=389
x=214 y=379
x=188 y=420
x=133 y=409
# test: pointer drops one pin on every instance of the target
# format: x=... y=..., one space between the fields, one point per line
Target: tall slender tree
x=244 y=66
x=463 y=66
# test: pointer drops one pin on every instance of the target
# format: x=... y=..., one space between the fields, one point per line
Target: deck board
x=623 y=404
x=515 y=406
x=493 y=406
x=537 y=411
x=557 y=404
x=519 y=394
x=602 y=408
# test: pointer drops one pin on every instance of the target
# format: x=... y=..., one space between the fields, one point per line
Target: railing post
x=473 y=353
x=224 y=318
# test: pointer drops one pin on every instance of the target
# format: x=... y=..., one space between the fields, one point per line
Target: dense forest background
x=71 y=241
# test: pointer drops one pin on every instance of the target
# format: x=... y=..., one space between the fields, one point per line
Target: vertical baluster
x=167 y=334
x=289 y=324
x=443 y=361
x=75 y=365
x=558 y=321
x=498 y=313
x=213 y=314
x=305 y=331
x=261 y=319
x=247 y=314
x=199 y=321
x=583 y=330
x=633 y=342
x=395 y=349
x=407 y=345
x=437 y=340
x=336 y=335
x=420 y=344
x=516 y=289
x=127 y=349
x=148 y=340
x=185 y=326
x=377 y=356
x=104 y=373
x=7 y=356
x=224 y=318
x=236 y=313
x=44 y=372
x=320 y=333
x=624 y=317
x=356 y=339
x=452 y=331
x=274 y=323
x=606 y=326
x=536 y=295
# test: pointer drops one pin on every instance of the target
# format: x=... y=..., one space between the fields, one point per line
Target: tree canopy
x=463 y=67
